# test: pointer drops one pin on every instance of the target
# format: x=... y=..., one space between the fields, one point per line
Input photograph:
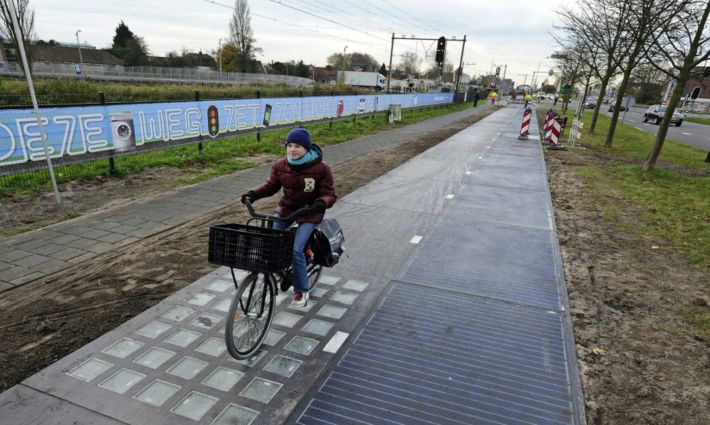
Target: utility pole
x=78 y=45
x=30 y=84
x=389 y=73
x=219 y=53
x=458 y=77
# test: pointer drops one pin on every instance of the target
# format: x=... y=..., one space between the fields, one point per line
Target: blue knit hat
x=299 y=136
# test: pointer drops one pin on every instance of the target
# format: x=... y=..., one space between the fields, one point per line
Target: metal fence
x=150 y=74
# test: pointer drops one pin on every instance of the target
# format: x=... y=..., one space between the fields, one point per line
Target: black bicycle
x=266 y=253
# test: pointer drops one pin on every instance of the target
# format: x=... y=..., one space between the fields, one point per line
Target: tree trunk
x=617 y=104
x=602 y=92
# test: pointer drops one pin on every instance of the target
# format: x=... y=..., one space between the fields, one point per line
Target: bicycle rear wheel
x=250 y=315
x=314 y=271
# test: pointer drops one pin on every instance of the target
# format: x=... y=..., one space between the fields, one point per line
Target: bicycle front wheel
x=250 y=315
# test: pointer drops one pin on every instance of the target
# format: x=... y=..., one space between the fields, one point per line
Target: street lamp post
x=343 y=79
x=78 y=45
x=219 y=53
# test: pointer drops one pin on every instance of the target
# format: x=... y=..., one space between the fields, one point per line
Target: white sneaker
x=300 y=299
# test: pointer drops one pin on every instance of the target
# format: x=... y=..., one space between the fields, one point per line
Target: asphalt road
x=689 y=133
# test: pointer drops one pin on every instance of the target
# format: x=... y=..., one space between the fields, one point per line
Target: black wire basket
x=252 y=248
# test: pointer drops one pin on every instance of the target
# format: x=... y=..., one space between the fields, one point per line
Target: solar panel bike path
x=169 y=365
x=475 y=327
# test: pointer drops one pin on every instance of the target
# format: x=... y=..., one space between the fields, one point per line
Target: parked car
x=655 y=113
x=622 y=108
x=590 y=103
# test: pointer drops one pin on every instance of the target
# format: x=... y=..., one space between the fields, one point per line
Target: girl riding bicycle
x=306 y=181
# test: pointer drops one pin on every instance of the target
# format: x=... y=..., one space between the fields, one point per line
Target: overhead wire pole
x=28 y=74
x=389 y=73
x=458 y=76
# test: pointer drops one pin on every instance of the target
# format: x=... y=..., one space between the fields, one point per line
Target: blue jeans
x=300 y=273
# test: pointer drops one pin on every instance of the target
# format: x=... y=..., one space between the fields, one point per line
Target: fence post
x=258 y=129
x=199 y=144
x=330 y=123
x=111 y=162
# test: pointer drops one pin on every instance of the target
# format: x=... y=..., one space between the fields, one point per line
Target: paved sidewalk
x=450 y=308
x=45 y=251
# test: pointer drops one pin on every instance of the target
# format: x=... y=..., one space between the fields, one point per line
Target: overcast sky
x=512 y=32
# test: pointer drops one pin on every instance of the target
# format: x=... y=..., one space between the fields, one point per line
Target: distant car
x=590 y=103
x=550 y=97
x=655 y=113
x=622 y=108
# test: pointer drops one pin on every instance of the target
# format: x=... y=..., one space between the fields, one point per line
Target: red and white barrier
x=525 y=126
x=554 y=133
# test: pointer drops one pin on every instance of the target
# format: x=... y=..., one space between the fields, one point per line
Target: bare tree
x=26 y=20
x=409 y=63
x=241 y=36
x=597 y=26
x=680 y=48
x=647 y=18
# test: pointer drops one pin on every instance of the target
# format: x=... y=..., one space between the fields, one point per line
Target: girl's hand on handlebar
x=249 y=196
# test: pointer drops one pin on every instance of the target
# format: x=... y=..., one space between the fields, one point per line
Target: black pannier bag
x=328 y=242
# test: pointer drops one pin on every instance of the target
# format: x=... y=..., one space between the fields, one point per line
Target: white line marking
x=416 y=239
x=639 y=128
x=450 y=196
x=468 y=173
x=336 y=342
x=687 y=134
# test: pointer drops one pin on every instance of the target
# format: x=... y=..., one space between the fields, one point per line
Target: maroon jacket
x=302 y=185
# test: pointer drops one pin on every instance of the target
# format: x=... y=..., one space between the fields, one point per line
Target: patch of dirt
x=640 y=362
x=46 y=319
x=80 y=197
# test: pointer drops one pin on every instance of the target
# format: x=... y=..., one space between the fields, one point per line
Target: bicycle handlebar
x=290 y=217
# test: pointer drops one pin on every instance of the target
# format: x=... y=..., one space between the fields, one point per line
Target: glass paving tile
x=122 y=348
x=157 y=392
x=235 y=415
x=201 y=299
x=301 y=345
x=261 y=390
x=251 y=361
x=122 y=381
x=154 y=357
x=187 y=368
x=194 y=405
x=205 y=320
x=212 y=347
x=347 y=298
x=286 y=319
x=220 y=285
x=328 y=280
x=223 y=305
x=223 y=378
x=281 y=297
x=284 y=366
x=305 y=309
x=239 y=274
x=178 y=313
x=355 y=285
x=273 y=337
x=153 y=329
x=182 y=338
x=318 y=292
x=332 y=312
x=90 y=369
x=317 y=327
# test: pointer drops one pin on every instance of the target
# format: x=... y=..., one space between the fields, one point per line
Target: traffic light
x=440 y=50
x=212 y=121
